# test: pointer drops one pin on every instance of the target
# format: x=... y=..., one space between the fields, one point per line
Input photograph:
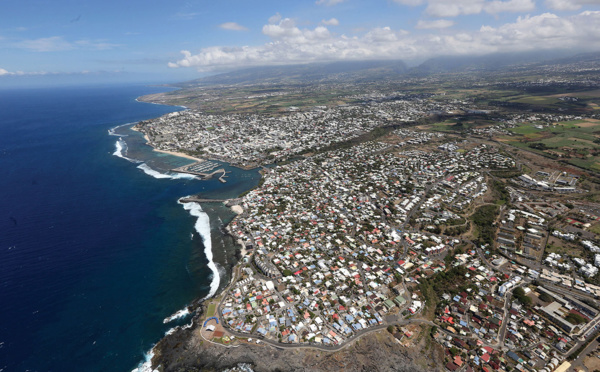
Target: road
x=578 y=363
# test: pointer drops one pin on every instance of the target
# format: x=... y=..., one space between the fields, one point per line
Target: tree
x=575 y=318
x=545 y=297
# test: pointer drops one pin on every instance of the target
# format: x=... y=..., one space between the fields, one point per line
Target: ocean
x=96 y=252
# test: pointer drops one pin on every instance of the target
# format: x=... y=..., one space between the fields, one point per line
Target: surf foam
x=120 y=148
x=173 y=176
x=146 y=365
x=202 y=226
x=113 y=131
x=180 y=314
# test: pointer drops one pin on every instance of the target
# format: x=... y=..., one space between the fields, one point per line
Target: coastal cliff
x=186 y=351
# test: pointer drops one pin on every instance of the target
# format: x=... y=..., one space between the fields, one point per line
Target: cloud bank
x=290 y=44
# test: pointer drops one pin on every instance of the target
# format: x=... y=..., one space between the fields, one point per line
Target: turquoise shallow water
x=95 y=253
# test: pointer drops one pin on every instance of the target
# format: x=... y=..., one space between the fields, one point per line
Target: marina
x=203 y=169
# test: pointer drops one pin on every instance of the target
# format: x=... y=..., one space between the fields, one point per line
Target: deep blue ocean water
x=95 y=253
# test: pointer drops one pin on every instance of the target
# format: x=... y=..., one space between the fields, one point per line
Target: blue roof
x=513 y=356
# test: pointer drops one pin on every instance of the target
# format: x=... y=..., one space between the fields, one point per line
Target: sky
x=134 y=40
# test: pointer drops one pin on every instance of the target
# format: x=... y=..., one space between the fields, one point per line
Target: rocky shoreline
x=186 y=351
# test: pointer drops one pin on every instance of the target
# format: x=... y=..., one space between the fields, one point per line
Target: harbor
x=203 y=169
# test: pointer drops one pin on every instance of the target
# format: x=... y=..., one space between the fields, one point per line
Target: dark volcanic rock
x=184 y=350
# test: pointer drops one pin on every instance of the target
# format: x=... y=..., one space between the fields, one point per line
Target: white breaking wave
x=171 y=331
x=173 y=176
x=180 y=314
x=146 y=365
x=120 y=148
x=160 y=104
x=203 y=228
x=242 y=367
x=112 y=131
x=121 y=151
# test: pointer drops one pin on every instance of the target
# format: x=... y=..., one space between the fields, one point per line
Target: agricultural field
x=577 y=141
x=457 y=126
x=578 y=101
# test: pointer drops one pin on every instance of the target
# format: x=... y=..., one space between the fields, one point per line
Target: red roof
x=458 y=361
x=451 y=366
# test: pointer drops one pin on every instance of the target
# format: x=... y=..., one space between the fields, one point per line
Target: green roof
x=400 y=300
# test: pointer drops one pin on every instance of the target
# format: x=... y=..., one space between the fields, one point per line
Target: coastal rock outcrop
x=186 y=351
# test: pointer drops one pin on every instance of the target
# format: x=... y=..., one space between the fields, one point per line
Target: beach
x=179 y=154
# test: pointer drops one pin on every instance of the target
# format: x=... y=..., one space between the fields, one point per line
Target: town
x=421 y=215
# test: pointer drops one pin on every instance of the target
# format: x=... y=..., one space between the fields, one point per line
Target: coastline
x=179 y=154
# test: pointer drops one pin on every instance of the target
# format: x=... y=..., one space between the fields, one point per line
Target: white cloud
x=232 y=26
x=275 y=18
x=46 y=44
x=514 y=6
x=331 y=22
x=95 y=44
x=329 y=2
x=6 y=73
x=409 y=2
x=453 y=8
x=184 y=16
x=438 y=23
x=59 y=44
x=569 y=4
x=291 y=44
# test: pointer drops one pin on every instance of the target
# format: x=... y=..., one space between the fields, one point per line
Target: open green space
x=211 y=310
x=573 y=141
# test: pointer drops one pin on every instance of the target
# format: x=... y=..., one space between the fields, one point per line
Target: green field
x=572 y=141
x=211 y=310
x=446 y=126
x=536 y=100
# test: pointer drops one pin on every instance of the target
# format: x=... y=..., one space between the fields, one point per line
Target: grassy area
x=551 y=248
x=572 y=140
x=592 y=163
x=445 y=126
x=536 y=100
x=211 y=310
x=595 y=228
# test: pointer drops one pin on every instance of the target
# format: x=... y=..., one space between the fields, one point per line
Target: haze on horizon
x=181 y=40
